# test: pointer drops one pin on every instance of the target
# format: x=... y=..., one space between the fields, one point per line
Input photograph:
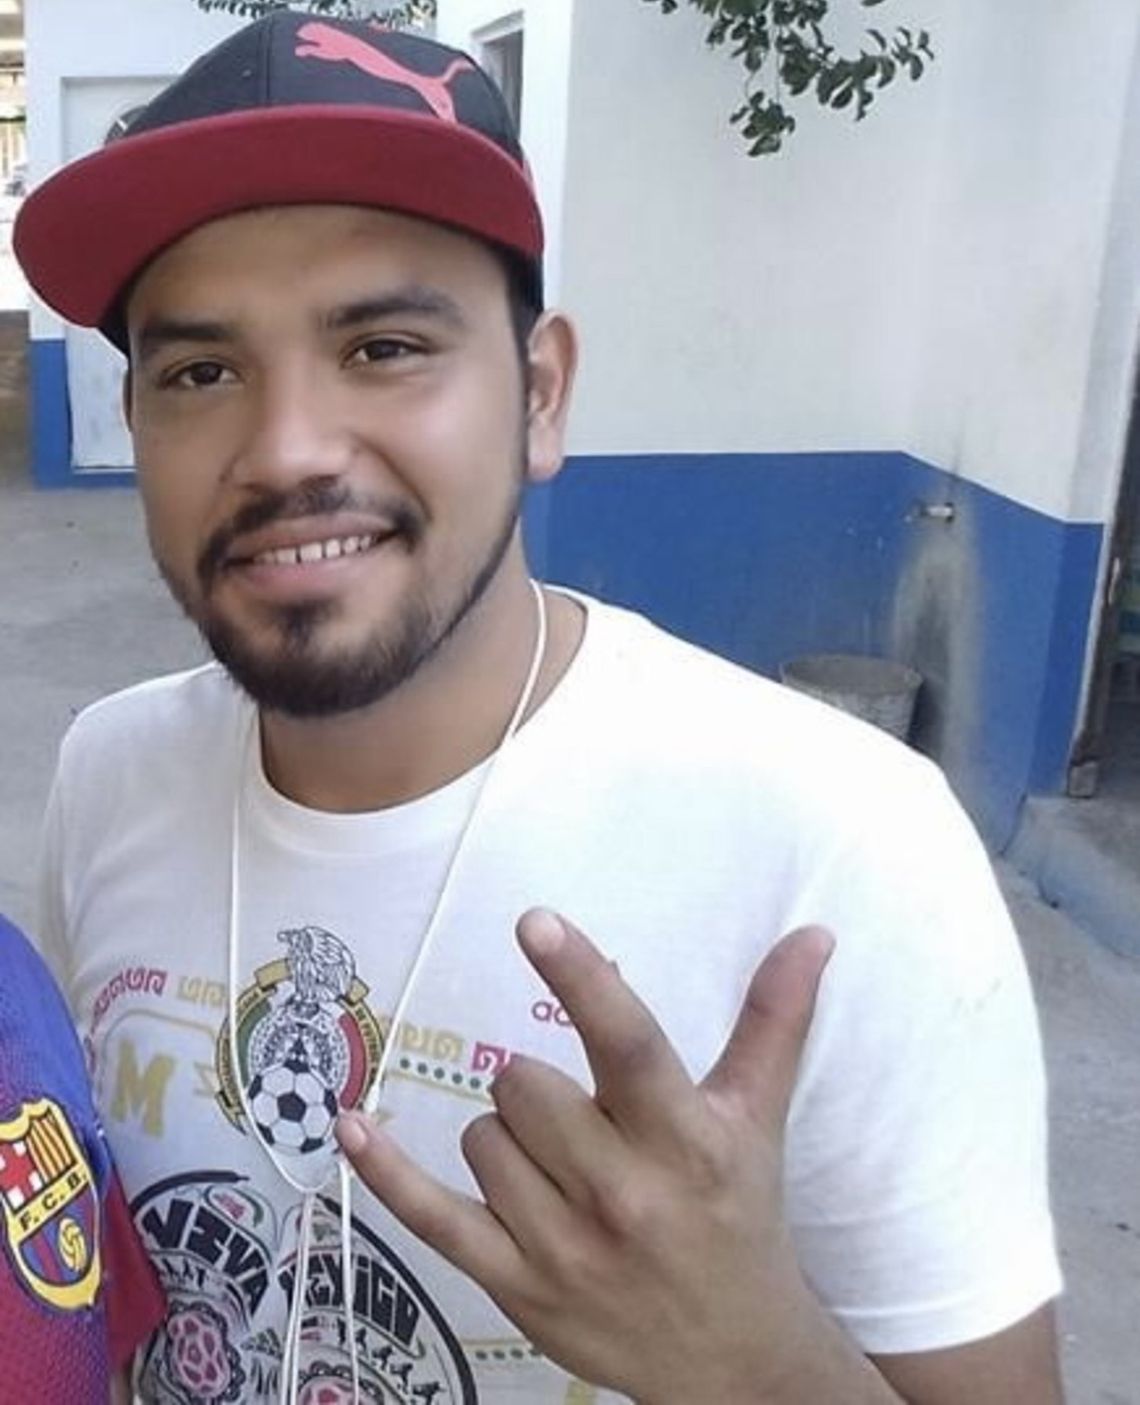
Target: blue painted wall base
x=50 y=413
x=765 y=557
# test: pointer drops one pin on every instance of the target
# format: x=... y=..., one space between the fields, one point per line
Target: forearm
x=825 y=1367
x=817 y=1364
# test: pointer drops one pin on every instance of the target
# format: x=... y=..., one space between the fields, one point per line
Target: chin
x=304 y=674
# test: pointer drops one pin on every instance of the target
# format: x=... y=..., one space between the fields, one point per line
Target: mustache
x=318 y=498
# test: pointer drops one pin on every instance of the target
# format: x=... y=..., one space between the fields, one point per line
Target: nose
x=295 y=431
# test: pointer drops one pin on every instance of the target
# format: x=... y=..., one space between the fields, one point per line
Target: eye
x=198 y=375
x=382 y=349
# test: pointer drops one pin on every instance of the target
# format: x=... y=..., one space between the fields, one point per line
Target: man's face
x=329 y=419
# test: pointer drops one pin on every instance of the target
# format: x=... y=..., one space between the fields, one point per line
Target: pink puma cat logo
x=322 y=41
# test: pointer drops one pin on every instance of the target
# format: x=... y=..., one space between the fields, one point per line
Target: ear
x=552 y=360
x=128 y=397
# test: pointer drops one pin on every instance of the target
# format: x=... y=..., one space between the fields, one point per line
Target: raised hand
x=634 y=1235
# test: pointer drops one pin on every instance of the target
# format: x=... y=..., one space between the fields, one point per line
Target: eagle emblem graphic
x=307 y=1044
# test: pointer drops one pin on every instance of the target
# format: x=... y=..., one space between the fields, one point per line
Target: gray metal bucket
x=878 y=690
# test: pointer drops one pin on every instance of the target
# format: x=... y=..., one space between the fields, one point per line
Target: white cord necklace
x=341 y=1169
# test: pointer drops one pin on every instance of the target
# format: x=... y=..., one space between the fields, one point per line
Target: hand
x=635 y=1236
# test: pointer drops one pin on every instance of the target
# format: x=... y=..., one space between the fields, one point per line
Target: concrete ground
x=1084 y=855
x=1089 y=999
x=82 y=612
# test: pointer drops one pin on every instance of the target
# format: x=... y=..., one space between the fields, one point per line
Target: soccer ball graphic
x=293 y=1107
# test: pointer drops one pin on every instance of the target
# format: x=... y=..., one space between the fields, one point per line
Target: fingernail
x=541 y=932
x=352 y=1133
x=822 y=941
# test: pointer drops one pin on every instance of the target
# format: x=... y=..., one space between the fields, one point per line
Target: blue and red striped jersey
x=77 y=1294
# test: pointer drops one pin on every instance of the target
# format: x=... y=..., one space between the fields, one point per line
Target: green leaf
x=785 y=44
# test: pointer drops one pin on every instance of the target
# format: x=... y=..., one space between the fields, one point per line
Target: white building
x=787 y=360
x=84 y=77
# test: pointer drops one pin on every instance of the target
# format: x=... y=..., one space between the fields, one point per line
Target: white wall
x=730 y=303
x=1013 y=340
x=1112 y=368
x=958 y=276
x=68 y=43
x=81 y=75
x=933 y=279
x=546 y=76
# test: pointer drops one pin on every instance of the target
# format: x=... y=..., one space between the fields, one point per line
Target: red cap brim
x=90 y=229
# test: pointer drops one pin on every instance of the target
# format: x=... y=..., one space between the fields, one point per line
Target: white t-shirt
x=683 y=812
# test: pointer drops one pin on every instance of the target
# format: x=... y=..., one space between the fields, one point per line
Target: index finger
x=639 y=1079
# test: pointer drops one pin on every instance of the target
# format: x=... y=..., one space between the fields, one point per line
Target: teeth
x=315 y=551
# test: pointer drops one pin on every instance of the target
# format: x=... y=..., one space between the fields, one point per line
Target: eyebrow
x=414 y=300
x=159 y=332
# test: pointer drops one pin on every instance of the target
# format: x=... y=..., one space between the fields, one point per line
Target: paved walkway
x=1090 y=1011
x=82 y=612
x=1084 y=855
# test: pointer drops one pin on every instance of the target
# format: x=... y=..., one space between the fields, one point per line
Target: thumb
x=757 y=1068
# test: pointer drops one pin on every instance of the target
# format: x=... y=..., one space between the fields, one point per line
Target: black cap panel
x=295 y=60
x=290 y=110
x=230 y=78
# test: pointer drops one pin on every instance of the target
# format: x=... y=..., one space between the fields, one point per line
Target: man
x=77 y=1295
x=321 y=255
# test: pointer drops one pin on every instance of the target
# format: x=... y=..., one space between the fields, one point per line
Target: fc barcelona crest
x=51 y=1207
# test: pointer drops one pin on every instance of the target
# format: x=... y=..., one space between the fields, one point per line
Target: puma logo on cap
x=323 y=41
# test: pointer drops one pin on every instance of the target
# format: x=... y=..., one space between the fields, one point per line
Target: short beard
x=297 y=681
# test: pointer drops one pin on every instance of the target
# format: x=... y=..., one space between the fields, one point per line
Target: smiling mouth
x=324 y=549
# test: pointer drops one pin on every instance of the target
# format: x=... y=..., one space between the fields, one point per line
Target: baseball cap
x=289 y=110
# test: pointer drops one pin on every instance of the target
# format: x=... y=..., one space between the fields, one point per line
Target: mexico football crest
x=51 y=1207
x=307 y=1043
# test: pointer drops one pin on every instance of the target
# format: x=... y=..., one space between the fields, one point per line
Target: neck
x=448 y=717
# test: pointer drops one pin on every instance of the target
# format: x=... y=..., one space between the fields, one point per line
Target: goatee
x=296 y=676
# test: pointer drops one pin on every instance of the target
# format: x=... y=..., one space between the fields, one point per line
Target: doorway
x=95 y=111
x=1106 y=755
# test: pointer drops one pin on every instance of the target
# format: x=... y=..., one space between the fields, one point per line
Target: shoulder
x=174 y=713
x=146 y=756
x=28 y=984
x=39 y=1051
x=167 y=703
x=24 y=970
x=696 y=715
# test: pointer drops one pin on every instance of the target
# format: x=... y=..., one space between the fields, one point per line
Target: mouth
x=297 y=561
x=319 y=549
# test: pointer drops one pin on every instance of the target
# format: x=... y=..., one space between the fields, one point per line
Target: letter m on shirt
x=140 y=1094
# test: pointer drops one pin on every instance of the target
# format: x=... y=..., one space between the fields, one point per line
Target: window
x=501 y=53
x=122 y=124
